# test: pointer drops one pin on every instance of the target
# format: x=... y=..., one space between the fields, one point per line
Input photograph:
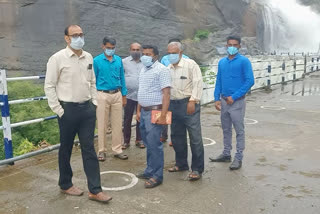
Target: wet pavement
x=280 y=173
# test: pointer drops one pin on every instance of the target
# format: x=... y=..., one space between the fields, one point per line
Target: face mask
x=110 y=52
x=77 y=43
x=146 y=60
x=174 y=58
x=232 y=50
x=135 y=55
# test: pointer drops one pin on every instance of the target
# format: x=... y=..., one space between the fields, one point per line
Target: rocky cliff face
x=315 y=4
x=32 y=30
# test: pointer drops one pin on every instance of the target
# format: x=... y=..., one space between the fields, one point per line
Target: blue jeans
x=150 y=134
x=181 y=122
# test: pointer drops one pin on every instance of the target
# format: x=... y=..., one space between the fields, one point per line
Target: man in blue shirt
x=153 y=94
x=111 y=97
x=234 y=80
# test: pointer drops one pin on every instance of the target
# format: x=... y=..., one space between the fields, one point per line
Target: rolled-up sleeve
x=51 y=80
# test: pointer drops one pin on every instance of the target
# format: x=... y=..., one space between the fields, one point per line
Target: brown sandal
x=140 y=144
x=177 y=169
x=102 y=156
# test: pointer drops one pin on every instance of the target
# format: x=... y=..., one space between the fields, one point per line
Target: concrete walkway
x=280 y=174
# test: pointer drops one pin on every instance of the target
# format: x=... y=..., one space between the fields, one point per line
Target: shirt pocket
x=116 y=73
x=88 y=72
x=66 y=74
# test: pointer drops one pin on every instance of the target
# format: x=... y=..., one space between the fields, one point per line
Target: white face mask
x=77 y=43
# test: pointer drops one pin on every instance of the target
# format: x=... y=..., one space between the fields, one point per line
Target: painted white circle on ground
x=134 y=181
x=212 y=142
x=290 y=100
x=250 y=121
x=273 y=108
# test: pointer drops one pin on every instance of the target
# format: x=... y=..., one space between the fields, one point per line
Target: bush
x=201 y=34
x=33 y=133
x=24 y=147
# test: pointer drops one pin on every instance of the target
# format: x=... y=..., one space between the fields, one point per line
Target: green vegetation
x=208 y=77
x=201 y=34
x=26 y=138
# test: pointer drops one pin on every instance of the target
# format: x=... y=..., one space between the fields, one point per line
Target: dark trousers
x=78 y=119
x=181 y=123
x=128 y=114
x=164 y=133
x=151 y=137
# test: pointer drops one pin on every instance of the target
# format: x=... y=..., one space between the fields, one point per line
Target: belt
x=75 y=104
x=110 y=91
x=225 y=98
x=185 y=100
x=150 y=108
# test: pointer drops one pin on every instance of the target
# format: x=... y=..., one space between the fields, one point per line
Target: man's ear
x=102 y=46
x=67 y=39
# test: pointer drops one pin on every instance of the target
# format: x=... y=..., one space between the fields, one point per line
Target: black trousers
x=128 y=114
x=78 y=119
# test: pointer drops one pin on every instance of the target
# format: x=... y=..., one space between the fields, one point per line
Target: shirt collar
x=180 y=64
x=153 y=65
x=71 y=53
x=131 y=59
x=235 y=57
x=105 y=58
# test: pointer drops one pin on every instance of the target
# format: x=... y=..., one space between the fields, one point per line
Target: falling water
x=290 y=26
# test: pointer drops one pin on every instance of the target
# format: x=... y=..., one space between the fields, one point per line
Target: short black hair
x=153 y=47
x=174 y=40
x=237 y=38
x=106 y=40
x=66 y=30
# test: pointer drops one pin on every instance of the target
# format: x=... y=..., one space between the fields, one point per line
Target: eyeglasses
x=76 y=35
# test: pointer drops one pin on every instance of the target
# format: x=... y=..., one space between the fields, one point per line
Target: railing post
x=283 y=71
x=295 y=69
x=5 y=112
x=269 y=76
x=305 y=65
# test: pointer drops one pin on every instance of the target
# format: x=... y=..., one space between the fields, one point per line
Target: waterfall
x=289 y=26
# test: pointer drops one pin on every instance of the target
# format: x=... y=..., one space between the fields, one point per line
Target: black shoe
x=221 y=158
x=236 y=164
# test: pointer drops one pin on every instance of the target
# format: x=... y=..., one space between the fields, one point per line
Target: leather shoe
x=236 y=164
x=74 y=191
x=221 y=158
x=100 y=197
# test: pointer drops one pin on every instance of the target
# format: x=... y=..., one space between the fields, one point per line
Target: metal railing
x=5 y=111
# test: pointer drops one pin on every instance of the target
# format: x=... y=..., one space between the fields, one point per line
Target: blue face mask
x=77 y=43
x=232 y=50
x=110 y=52
x=174 y=58
x=146 y=60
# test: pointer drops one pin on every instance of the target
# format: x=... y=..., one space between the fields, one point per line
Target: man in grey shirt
x=132 y=66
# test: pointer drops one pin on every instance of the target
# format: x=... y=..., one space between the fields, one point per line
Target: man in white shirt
x=71 y=92
x=186 y=92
